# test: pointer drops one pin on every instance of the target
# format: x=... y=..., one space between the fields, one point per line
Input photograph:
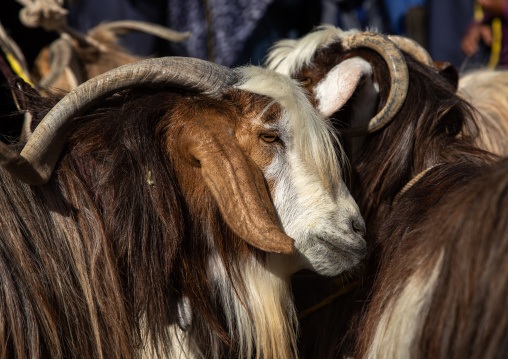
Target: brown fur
x=466 y=224
x=88 y=256
x=325 y=59
x=424 y=133
x=434 y=127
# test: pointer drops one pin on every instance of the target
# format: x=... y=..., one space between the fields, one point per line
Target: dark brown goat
x=442 y=284
x=429 y=135
x=156 y=226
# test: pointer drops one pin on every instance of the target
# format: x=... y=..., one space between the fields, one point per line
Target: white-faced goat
x=159 y=209
x=418 y=147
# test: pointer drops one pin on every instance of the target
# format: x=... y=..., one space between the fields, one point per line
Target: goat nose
x=358 y=225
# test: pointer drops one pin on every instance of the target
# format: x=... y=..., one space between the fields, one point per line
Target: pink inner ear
x=337 y=87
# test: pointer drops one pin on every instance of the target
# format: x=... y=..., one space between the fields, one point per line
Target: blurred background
x=237 y=32
x=242 y=30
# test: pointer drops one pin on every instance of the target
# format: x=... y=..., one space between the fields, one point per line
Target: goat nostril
x=358 y=225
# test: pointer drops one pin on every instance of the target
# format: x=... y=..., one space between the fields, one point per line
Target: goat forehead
x=265 y=111
x=310 y=132
x=255 y=111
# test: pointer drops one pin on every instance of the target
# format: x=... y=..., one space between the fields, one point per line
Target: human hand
x=493 y=7
x=474 y=34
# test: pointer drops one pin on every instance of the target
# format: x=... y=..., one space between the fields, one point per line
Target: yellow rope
x=16 y=67
x=497 y=37
x=478 y=12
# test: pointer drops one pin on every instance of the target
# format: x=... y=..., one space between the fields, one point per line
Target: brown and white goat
x=159 y=209
x=422 y=134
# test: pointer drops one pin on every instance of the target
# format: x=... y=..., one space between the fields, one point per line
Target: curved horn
x=127 y=26
x=60 y=54
x=413 y=48
x=37 y=159
x=399 y=78
x=238 y=187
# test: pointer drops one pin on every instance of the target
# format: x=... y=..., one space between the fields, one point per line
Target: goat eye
x=269 y=137
x=306 y=81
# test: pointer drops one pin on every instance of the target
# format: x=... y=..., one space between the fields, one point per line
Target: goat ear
x=341 y=82
x=239 y=188
x=448 y=71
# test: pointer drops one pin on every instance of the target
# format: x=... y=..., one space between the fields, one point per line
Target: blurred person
x=490 y=29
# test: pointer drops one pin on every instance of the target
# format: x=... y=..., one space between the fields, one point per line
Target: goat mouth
x=359 y=251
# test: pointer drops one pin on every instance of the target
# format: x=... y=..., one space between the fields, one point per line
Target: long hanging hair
x=111 y=241
x=440 y=129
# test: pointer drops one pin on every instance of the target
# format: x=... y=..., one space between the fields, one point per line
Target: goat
x=442 y=282
x=159 y=209
x=422 y=131
x=487 y=91
x=75 y=57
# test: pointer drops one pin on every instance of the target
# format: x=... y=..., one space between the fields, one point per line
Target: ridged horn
x=127 y=26
x=413 y=48
x=399 y=78
x=38 y=158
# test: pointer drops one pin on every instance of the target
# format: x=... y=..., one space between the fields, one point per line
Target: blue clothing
x=232 y=23
x=396 y=11
x=86 y=14
x=355 y=14
x=448 y=22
